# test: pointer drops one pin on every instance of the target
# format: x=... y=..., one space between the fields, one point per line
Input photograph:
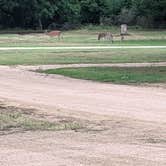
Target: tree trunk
x=40 y=24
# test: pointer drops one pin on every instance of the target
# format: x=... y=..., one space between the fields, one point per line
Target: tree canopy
x=42 y=14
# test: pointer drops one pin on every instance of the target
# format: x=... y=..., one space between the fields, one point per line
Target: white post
x=123 y=30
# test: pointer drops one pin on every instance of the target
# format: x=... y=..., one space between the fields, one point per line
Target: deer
x=105 y=36
x=54 y=34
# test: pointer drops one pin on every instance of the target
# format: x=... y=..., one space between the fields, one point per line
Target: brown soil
x=123 y=125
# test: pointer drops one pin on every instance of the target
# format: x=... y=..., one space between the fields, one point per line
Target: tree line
x=68 y=14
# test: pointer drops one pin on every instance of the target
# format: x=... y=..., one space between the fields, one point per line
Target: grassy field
x=123 y=75
x=36 y=57
x=83 y=37
x=86 y=37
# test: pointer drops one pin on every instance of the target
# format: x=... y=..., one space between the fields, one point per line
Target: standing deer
x=54 y=34
x=106 y=36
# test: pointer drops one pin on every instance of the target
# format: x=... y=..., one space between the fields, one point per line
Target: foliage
x=39 y=14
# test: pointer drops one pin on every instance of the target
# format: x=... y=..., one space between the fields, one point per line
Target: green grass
x=17 y=119
x=36 y=57
x=127 y=75
x=75 y=40
x=84 y=37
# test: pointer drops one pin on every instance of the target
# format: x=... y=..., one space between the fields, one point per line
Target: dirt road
x=78 y=95
x=136 y=118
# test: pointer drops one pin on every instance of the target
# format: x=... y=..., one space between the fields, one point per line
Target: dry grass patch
x=13 y=119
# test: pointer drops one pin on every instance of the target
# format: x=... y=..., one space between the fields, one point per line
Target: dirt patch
x=45 y=67
x=18 y=119
x=101 y=141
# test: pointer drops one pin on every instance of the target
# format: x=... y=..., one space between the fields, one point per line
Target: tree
x=61 y=13
x=92 y=11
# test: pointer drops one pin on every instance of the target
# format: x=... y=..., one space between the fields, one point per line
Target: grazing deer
x=54 y=34
x=105 y=36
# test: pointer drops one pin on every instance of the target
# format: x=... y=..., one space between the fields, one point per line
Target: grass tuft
x=12 y=119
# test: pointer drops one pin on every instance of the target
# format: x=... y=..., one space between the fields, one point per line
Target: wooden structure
x=123 y=29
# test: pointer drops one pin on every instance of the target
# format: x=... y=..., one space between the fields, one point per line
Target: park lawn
x=86 y=36
x=75 y=40
x=118 y=75
x=44 y=57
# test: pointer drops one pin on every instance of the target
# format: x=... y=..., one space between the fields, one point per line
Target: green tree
x=92 y=11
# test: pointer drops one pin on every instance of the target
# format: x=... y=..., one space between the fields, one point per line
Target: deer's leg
x=58 y=37
x=122 y=37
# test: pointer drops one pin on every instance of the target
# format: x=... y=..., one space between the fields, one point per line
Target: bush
x=145 y=21
x=68 y=26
